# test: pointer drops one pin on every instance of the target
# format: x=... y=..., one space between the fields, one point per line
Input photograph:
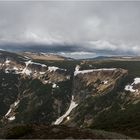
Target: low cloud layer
x=95 y=27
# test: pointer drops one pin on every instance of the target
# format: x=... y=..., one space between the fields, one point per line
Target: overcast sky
x=91 y=27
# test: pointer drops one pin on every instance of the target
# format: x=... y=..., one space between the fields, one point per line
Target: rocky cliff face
x=96 y=82
x=40 y=92
x=88 y=86
x=32 y=92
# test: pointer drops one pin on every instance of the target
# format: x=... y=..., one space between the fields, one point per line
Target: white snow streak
x=43 y=65
x=9 y=111
x=7 y=61
x=25 y=70
x=77 y=71
x=130 y=87
x=54 y=85
x=12 y=118
x=41 y=73
x=136 y=81
x=8 y=114
x=71 y=107
x=53 y=68
x=105 y=82
x=16 y=103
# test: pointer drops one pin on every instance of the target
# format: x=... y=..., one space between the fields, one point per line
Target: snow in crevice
x=43 y=65
x=42 y=72
x=53 y=68
x=9 y=111
x=77 y=71
x=18 y=69
x=130 y=87
x=27 y=63
x=27 y=58
x=13 y=106
x=55 y=85
x=25 y=70
x=11 y=118
x=28 y=72
x=16 y=103
x=15 y=68
x=7 y=70
x=45 y=81
x=105 y=82
x=71 y=107
x=7 y=61
x=68 y=117
x=136 y=81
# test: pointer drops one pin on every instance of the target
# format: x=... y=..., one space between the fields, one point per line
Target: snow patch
x=77 y=71
x=25 y=70
x=7 y=61
x=77 y=68
x=27 y=58
x=28 y=62
x=9 y=111
x=53 y=68
x=136 y=81
x=105 y=82
x=7 y=70
x=41 y=73
x=16 y=103
x=12 y=107
x=54 y=85
x=28 y=72
x=43 y=65
x=71 y=107
x=68 y=118
x=12 y=118
x=45 y=82
x=130 y=87
x=15 y=68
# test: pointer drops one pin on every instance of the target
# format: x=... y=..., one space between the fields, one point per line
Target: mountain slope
x=55 y=132
x=87 y=94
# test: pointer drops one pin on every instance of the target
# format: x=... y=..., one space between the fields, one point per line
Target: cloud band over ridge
x=97 y=27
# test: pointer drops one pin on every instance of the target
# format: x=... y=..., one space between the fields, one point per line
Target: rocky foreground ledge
x=55 y=132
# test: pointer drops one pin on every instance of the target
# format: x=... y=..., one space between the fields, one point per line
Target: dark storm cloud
x=106 y=27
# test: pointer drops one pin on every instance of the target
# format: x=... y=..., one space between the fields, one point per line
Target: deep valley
x=95 y=97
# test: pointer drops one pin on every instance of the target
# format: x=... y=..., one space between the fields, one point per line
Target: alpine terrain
x=67 y=98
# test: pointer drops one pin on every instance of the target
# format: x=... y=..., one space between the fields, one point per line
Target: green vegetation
x=18 y=131
x=68 y=64
x=39 y=131
x=109 y=109
x=133 y=67
x=117 y=120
